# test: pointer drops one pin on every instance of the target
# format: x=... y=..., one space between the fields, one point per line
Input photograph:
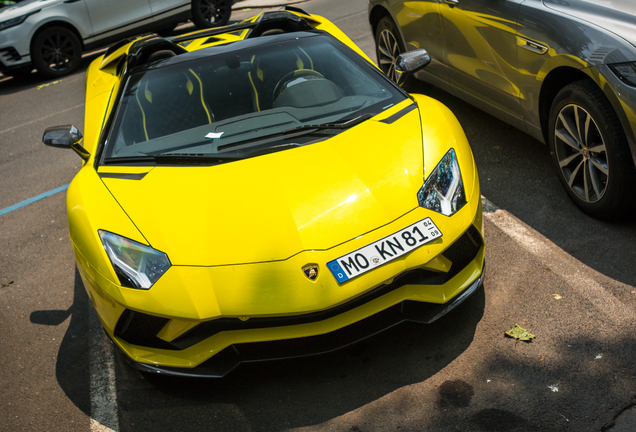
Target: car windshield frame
x=281 y=124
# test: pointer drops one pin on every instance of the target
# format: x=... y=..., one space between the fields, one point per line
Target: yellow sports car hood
x=274 y=206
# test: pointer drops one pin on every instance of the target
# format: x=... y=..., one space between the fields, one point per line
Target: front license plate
x=382 y=251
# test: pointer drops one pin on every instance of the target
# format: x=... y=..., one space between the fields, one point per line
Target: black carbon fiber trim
x=228 y=359
x=123 y=176
x=399 y=114
x=141 y=329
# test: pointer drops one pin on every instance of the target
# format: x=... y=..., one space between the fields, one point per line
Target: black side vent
x=463 y=251
x=140 y=329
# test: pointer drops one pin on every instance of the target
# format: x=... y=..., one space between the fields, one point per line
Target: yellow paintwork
x=237 y=246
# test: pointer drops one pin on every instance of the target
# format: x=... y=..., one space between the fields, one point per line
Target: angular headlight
x=443 y=191
x=16 y=21
x=136 y=265
x=626 y=72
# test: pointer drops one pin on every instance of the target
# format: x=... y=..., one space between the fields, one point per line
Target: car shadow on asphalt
x=9 y=85
x=300 y=392
x=271 y=395
x=72 y=366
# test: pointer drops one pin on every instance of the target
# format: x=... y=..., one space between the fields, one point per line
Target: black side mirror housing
x=65 y=136
x=410 y=62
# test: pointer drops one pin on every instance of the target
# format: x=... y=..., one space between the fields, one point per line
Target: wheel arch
x=56 y=23
x=376 y=14
x=560 y=77
x=552 y=84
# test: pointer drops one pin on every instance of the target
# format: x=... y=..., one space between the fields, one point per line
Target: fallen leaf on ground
x=557 y=297
x=7 y=284
x=519 y=333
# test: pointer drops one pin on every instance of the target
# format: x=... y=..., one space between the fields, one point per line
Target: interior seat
x=171 y=104
x=270 y=68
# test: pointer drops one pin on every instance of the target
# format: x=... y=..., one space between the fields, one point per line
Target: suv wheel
x=211 y=13
x=590 y=151
x=388 y=46
x=56 y=51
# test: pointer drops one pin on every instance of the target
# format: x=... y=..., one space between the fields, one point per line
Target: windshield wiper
x=325 y=126
x=186 y=159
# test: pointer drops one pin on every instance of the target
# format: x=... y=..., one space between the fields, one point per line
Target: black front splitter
x=224 y=362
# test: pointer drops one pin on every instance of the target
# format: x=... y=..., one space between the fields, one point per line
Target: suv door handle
x=452 y=2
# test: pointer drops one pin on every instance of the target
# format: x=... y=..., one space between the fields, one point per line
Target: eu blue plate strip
x=337 y=271
x=34 y=199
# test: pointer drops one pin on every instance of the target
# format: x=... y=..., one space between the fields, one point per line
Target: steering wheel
x=291 y=75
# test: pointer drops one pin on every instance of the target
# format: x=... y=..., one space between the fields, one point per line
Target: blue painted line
x=34 y=199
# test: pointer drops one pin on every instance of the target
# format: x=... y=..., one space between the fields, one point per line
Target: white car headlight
x=16 y=21
x=443 y=191
x=136 y=265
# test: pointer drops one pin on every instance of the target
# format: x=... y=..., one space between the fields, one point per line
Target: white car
x=50 y=35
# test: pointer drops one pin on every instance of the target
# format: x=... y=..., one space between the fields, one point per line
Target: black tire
x=211 y=13
x=56 y=51
x=388 y=45
x=590 y=152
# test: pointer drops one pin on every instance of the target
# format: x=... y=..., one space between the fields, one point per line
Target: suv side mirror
x=66 y=136
x=410 y=62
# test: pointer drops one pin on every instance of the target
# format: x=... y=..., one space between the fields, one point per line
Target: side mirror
x=410 y=62
x=66 y=136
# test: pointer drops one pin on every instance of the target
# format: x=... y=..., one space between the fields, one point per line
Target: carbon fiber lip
x=228 y=359
x=137 y=328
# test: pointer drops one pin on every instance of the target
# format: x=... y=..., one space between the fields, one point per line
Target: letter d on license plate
x=382 y=251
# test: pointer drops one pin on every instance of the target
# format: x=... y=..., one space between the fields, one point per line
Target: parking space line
x=560 y=262
x=41 y=118
x=34 y=199
x=103 y=390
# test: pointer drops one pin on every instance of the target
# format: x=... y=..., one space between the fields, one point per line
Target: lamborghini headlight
x=136 y=265
x=443 y=191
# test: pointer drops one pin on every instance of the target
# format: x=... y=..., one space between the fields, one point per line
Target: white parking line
x=560 y=262
x=104 y=415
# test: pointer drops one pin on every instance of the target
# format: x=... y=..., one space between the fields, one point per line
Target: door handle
x=531 y=45
x=452 y=2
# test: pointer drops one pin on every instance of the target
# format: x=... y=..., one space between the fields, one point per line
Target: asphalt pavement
x=567 y=278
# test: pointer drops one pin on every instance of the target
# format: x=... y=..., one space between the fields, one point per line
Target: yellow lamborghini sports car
x=263 y=191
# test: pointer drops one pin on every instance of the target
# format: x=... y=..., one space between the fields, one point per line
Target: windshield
x=246 y=101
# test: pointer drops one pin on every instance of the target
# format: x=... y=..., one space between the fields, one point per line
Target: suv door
x=164 y=9
x=421 y=27
x=480 y=50
x=112 y=18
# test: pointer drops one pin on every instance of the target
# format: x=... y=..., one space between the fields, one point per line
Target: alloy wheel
x=581 y=153
x=58 y=52
x=389 y=50
x=212 y=10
